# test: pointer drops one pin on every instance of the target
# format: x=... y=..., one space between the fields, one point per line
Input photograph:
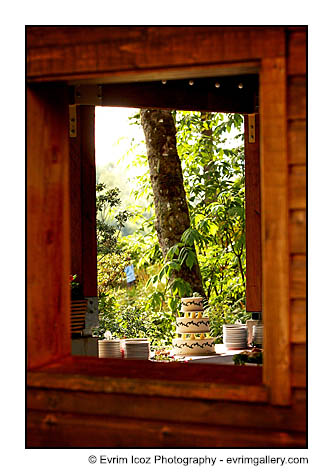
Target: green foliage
x=128 y=317
x=108 y=223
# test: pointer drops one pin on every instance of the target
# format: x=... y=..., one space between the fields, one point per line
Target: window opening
x=136 y=299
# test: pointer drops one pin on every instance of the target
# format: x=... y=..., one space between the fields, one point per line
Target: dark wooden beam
x=88 y=199
x=253 y=217
x=234 y=94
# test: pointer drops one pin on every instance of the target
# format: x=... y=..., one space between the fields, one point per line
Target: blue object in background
x=130 y=276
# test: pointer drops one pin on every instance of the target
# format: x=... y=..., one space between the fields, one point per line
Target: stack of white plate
x=137 y=349
x=235 y=336
x=258 y=335
x=109 y=348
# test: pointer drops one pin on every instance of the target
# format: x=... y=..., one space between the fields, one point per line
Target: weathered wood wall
x=67 y=405
x=296 y=116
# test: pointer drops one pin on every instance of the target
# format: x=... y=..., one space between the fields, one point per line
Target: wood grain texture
x=173 y=386
x=73 y=53
x=297 y=94
x=169 y=409
x=298 y=277
x=69 y=430
x=298 y=232
x=297 y=187
x=298 y=357
x=48 y=232
x=297 y=45
x=297 y=142
x=298 y=320
x=275 y=245
x=253 y=219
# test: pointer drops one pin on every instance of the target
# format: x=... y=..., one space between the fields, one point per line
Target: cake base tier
x=193 y=346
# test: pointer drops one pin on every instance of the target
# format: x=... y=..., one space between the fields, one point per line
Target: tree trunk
x=171 y=211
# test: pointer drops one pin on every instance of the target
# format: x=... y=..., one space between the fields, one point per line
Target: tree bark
x=171 y=211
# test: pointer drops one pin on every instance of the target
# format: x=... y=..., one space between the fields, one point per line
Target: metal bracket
x=88 y=94
x=72 y=121
x=252 y=128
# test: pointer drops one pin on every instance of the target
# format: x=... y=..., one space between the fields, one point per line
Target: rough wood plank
x=170 y=409
x=150 y=387
x=80 y=52
x=67 y=430
x=298 y=231
x=297 y=187
x=297 y=45
x=297 y=93
x=298 y=357
x=298 y=320
x=253 y=219
x=275 y=244
x=88 y=198
x=142 y=369
x=297 y=142
x=298 y=277
x=48 y=232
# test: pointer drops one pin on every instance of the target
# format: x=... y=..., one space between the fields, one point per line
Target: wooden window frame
x=49 y=361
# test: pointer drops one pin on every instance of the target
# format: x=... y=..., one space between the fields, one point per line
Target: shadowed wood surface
x=298 y=320
x=253 y=218
x=297 y=95
x=298 y=276
x=297 y=185
x=76 y=201
x=158 y=408
x=69 y=430
x=238 y=375
x=88 y=198
x=297 y=142
x=298 y=232
x=298 y=366
x=179 y=95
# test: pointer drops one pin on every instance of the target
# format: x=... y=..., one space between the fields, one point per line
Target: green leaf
x=190 y=259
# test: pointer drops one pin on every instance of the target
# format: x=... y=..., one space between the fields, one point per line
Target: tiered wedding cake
x=193 y=328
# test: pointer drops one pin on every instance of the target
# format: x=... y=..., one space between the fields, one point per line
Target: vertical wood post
x=48 y=232
x=275 y=245
x=76 y=200
x=253 y=218
x=88 y=200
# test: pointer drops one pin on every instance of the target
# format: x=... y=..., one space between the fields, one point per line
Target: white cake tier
x=193 y=347
x=190 y=325
x=195 y=303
